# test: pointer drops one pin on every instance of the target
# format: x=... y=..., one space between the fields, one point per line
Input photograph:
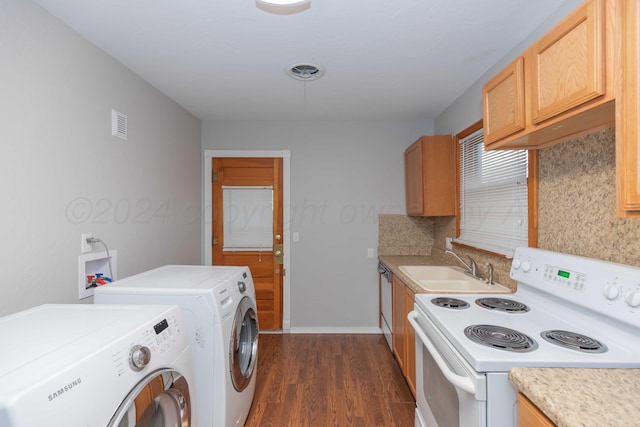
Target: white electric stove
x=568 y=311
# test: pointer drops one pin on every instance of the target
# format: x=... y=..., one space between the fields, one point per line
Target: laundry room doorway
x=247 y=226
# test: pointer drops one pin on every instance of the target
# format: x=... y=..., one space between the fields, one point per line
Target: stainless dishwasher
x=386 y=319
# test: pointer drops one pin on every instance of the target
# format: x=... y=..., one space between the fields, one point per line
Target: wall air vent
x=118 y=125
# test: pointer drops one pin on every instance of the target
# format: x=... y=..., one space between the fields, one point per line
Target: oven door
x=448 y=391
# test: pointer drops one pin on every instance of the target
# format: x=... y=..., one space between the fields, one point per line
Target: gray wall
x=343 y=174
x=63 y=174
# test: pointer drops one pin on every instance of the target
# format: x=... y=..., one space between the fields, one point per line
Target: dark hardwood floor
x=327 y=380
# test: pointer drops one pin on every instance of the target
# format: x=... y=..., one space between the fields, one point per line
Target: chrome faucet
x=472 y=267
x=489 y=273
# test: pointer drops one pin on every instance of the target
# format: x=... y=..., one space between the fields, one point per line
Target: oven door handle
x=463 y=383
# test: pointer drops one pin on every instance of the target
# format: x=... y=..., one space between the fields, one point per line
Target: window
x=494 y=207
x=248 y=218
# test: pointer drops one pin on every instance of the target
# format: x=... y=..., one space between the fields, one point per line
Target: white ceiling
x=226 y=59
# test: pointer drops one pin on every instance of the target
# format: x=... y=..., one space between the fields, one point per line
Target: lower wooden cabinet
x=399 y=325
x=529 y=415
x=404 y=342
x=410 y=334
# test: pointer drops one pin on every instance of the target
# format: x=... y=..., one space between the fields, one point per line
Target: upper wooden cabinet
x=430 y=176
x=503 y=102
x=568 y=64
x=627 y=119
x=561 y=87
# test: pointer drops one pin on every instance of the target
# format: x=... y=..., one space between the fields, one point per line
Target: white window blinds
x=248 y=218
x=493 y=197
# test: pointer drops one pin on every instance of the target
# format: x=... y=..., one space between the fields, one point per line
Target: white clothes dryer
x=95 y=366
x=219 y=305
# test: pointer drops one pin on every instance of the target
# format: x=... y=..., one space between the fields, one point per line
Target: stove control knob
x=526 y=266
x=139 y=357
x=516 y=263
x=611 y=292
x=633 y=298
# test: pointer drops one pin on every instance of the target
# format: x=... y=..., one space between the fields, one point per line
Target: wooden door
x=265 y=263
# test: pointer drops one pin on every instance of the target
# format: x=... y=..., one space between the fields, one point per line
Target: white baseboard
x=333 y=330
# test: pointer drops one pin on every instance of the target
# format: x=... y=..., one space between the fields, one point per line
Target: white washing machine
x=95 y=366
x=219 y=306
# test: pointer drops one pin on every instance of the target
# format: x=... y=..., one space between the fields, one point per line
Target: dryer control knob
x=242 y=287
x=139 y=357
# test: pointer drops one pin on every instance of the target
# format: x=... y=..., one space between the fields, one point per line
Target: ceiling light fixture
x=284 y=3
x=283 y=7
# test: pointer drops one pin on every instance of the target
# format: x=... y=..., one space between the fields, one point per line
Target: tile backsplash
x=577 y=201
x=404 y=235
x=576 y=212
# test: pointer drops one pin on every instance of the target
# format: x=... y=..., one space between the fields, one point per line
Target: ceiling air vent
x=304 y=71
x=118 y=125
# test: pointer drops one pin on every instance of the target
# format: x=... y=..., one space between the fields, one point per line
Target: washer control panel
x=147 y=343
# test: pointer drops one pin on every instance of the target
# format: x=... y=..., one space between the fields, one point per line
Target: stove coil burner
x=453 y=303
x=574 y=341
x=502 y=304
x=500 y=338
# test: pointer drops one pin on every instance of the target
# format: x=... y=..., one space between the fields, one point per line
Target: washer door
x=243 y=350
x=157 y=401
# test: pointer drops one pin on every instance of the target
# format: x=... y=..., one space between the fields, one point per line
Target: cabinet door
x=410 y=333
x=568 y=63
x=439 y=175
x=529 y=415
x=503 y=101
x=399 y=323
x=430 y=176
x=628 y=112
x=413 y=170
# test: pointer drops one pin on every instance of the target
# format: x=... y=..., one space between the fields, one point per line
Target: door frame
x=207 y=225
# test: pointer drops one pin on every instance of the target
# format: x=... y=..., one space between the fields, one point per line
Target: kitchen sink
x=445 y=279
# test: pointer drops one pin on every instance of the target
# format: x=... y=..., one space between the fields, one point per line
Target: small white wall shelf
x=92 y=263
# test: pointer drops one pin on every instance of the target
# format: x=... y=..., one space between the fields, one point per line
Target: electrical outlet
x=369 y=252
x=86 y=247
x=448 y=244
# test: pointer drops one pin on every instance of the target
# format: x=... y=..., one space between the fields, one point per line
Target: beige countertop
x=583 y=397
x=395 y=261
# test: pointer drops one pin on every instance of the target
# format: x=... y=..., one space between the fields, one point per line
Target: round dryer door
x=160 y=400
x=244 y=344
